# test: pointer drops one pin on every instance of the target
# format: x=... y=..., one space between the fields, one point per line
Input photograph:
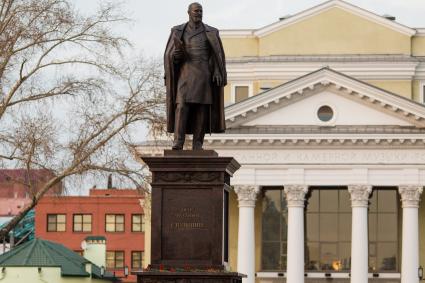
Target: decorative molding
x=302 y=140
x=410 y=195
x=237 y=33
x=247 y=195
x=271 y=69
x=359 y=195
x=329 y=5
x=420 y=32
x=187 y=177
x=332 y=156
x=295 y=195
x=326 y=79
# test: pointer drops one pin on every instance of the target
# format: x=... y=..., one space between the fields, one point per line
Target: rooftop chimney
x=94 y=249
x=389 y=17
x=285 y=17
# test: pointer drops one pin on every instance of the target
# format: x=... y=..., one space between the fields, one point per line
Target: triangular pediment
x=300 y=103
x=334 y=4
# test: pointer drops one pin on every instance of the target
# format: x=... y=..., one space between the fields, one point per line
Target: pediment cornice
x=315 y=11
x=325 y=79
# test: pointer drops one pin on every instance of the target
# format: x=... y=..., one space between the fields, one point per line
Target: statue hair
x=191 y=4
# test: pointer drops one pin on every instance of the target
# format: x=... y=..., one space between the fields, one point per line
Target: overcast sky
x=152 y=19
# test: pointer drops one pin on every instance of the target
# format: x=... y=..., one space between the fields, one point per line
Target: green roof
x=42 y=253
x=95 y=238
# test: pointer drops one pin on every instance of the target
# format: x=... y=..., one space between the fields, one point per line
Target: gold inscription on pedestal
x=187 y=218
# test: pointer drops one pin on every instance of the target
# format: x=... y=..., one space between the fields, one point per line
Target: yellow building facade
x=373 y=50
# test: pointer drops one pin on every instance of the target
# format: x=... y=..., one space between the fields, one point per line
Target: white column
x=247 y=195
x=410 y=197
x=359 y=232
x=295 y=196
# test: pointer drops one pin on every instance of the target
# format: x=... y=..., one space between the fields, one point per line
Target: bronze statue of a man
x=195 y=75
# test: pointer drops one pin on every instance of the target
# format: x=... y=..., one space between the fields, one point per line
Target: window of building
x=114 y=223
x=137 y=260
x=328 y=230
x=274 y=229
x=82 y=222
x=137 y=223
x=240 y=91
x=325 y=113
x=56 y=222
x=383 y=230
x=114 y=259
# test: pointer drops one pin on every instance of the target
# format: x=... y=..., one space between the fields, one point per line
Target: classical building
x=326 y=116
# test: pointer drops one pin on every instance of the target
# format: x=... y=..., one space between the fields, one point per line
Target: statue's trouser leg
x=181 y=115
x=200 y=112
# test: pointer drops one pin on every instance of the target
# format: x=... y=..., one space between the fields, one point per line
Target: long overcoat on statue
x=216 y=120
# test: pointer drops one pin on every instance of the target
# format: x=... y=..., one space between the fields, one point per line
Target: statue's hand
x=218 y=79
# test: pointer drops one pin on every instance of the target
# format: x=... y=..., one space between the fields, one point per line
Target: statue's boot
x=180 y=126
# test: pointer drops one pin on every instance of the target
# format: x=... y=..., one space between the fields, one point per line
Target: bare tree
x=68 y=101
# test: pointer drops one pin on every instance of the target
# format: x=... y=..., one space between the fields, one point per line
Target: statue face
x=195 y=13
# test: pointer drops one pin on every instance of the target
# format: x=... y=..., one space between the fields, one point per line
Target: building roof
x=287 y=21
x=42 y=253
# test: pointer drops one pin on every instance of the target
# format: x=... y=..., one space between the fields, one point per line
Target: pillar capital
x=247 y=194
x=410 y=195
x=359 y=195
x=295 y=195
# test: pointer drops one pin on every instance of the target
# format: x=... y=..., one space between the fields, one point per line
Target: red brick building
x=112 y=213
x=16 y=192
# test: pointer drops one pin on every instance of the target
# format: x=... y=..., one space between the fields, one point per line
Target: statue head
x=195 y=13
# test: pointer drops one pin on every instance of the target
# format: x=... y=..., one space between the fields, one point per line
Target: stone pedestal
x=189 y=277
x=190 y=193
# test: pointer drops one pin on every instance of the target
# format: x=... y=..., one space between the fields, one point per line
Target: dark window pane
x=312 y=227
x=328 y=257
x=344 y=201
x=312 y=257
x=271 y=215
x=373 y=201
x=271 y=256
x=387 y=256
x=51 y=227
x=372 y=226
x=344 y=227
x=284 y=227
x=329 y=200
x=328 y=227
x=313 y=201
x=51 y=218
x=325 y=113
x=344 y=256
x=387 y=227
x=241 y=93
x=387 y=201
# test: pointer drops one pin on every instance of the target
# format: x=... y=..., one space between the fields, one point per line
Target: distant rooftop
x=42 y=253
x=115 y=192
